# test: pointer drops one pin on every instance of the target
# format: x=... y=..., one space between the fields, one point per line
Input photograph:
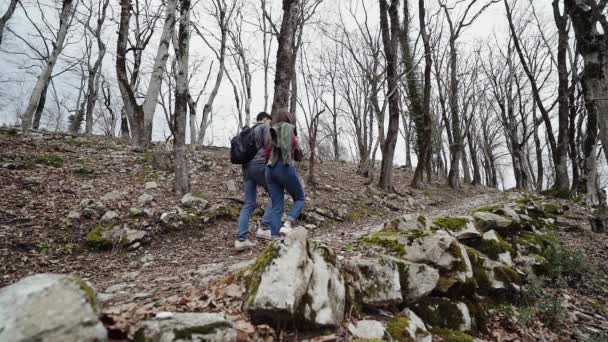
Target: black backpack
x=243 y=147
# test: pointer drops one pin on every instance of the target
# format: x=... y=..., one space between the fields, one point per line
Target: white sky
x=18 y=76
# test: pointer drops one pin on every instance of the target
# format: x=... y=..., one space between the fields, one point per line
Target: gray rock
x=232 y=185
x=281 y=284
x=191 y=201
x=209 y=327
x=171 y=219
x=109 y=216
x=366 y=330
x=444 y=313
x=421 y=280
x=376 y=281
x=327 y=289
x=468 y=231
x=135 y=212
x=488 y=221
x=151 y=185
x=112 y=196
x=50 y=307
x=145 y=198
x=490 y=235
x=74 y=215
x=416 y=329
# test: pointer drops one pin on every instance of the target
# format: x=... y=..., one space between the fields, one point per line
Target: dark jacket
x=262 y=138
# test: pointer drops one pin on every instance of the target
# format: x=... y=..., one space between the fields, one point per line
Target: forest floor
x=45 y=177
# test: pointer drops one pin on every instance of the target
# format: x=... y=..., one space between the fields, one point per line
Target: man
x=254 y=176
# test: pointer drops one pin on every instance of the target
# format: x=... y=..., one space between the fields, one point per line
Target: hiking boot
x=243 y=245
x=263 y=234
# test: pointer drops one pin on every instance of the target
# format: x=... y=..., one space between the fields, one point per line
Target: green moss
x=460 y=264
x=88 y=292
x=360 y=213
x=493 y=248
x=53 y=160
x=485 y=208
x=439 y=312
x=387 y=240
x=449 y=335
x=479 y=272
x=252 y=276
x=534 y=242
x=397 y=329
x=95 y=237
x=452 y=224
x=84 y=172
x=185 y=334
x=507 y=275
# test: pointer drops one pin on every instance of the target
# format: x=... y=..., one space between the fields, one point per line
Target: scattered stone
x=366 y=330
x=145 y=198
x=102 y=236
x=112 y=196
x=232 y=185
x=151 y=185
x=50 y=307
x=210 y=327
x=109 y=216
x=490 y=235
x=74 y=215
x=171 y=219
x=135 y=212
x=191 y=201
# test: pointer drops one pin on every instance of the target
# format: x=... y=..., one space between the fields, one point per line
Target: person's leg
x=276 y=191
x=294 y=187
x=248 y=208
x=260 y=179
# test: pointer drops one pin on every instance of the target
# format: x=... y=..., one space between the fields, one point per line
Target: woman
x=281 y=173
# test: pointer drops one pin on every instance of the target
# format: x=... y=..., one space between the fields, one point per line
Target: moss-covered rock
x=443 y=313
x=452 y=224
x=98 y=237
x=389 y=241
x=407 y=327
x=493 y=248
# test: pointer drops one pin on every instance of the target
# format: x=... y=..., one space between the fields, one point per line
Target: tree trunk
x=45 y=76
x=7 y=15
x=40 y=106
x=390 y=39
x=562 y=182
x=192 y=111
x=182 y=177
x=160 y=65
x=474 y=161
x=590 y=176
x=284 y=68
x=132 y=110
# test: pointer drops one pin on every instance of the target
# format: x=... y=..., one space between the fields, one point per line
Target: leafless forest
x=528 y=104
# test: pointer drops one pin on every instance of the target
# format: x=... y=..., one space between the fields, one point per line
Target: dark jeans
x=283 y=177
x=253 y=176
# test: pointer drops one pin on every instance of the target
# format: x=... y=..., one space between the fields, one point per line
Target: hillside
x=61 y=192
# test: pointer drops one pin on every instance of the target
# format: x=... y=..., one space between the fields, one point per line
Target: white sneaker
x=263 y=234
x=243 y=245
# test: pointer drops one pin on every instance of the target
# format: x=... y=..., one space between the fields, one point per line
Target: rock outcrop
x=210 y=327
x=50 y=307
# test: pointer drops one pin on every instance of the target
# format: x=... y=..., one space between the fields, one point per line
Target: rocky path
x=157 y=277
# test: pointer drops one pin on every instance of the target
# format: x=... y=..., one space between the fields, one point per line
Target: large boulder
x=407 y=326
x=460 y=227
x=417 y=280
x=50 y=307
x=490 y=221
x=209 y=327
x=325 y=299
x=376 y=281
x=279 y=279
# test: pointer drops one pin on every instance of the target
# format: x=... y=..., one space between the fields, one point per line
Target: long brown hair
x=283 y=115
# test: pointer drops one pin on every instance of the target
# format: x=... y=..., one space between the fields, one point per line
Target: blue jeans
x=279 y=178
x=253 y=176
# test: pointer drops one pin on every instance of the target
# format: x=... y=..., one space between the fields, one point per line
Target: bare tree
x=65 y=20
x=7 y=16
x=284 y=71
x=456 y=28
x=182 y=51
x=390 y=39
